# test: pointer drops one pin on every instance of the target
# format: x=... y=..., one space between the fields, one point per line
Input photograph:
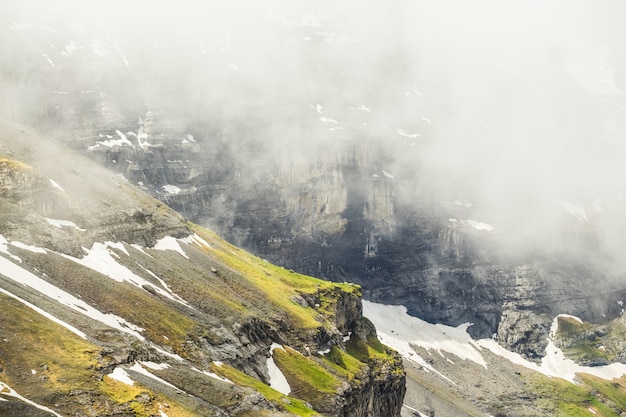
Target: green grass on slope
x=48 y=364
x=561 y=398
x=279 y=284
x=610 y=391
x=282 y=401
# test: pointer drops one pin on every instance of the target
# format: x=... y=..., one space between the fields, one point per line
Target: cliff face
x=323 y=165
x=116 y=305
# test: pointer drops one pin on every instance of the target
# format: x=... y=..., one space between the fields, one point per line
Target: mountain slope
x=113 y=304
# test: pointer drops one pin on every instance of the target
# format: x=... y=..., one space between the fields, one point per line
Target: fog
x=517 y=107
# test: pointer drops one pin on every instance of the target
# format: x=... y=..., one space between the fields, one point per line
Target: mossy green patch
x=308 y=379
x=613 y=391
x=366 y=350
x=343 y=363
x=282 y=401
x=279 y=285
x=564 y=399
x=139 y=401
x=40 y=357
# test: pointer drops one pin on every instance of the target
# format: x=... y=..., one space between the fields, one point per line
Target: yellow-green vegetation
x=161 y=323
x=279 y=284
x=282 y=401
x=365 y=351
x=307 y=378
x=139 y=400
x=613 y=391
x=39 y=356
x=13 y=165
x=561 y=398
x=343 y=363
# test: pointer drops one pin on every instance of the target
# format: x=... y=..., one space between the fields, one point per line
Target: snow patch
x=120 y=375
x=400 y=330
x=388 y=175
x=100 y=259
x=404 y=133
x=328 y=120
x=191 y=239
x=171 y=189
x=140 y=370
x=45 y=314
x=214 y=376
x=63 y=223
x=556 y=364
x=7 y=390
x=155 y=366
x=4 y=248
x=480 y=226
x=123 y=140
x=170 y=243
x=277 y=378
x=56 y=185
x=22 y=276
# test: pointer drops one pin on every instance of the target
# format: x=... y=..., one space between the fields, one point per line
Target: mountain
x=113 y=304
x=462 y=159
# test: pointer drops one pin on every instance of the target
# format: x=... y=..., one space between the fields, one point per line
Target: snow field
x=399 y=331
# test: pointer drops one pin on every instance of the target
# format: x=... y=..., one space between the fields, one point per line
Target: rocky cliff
x=114 y=304
x=329 y=163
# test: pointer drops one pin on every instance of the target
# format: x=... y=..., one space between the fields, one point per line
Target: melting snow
x=56 y=185
x=140 y=370
x=4 y=248
x=480 y=226
x=388 y=175
x=100 y=259
x=46 y=314
x=399 y=330
x=171 y=189
x=195 y=239
x=120 y=375
x=212 y=375
x=123 y=140
x=22 y=276
x=395 y=325
x=277 y=378
x=556 y=364
x=403 y=132
x=63 y=223
x=170 y=243
x=574 y=209
x=7 y=390
x=155 y=366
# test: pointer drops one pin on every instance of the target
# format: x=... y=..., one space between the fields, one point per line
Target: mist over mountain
x=461 y=158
